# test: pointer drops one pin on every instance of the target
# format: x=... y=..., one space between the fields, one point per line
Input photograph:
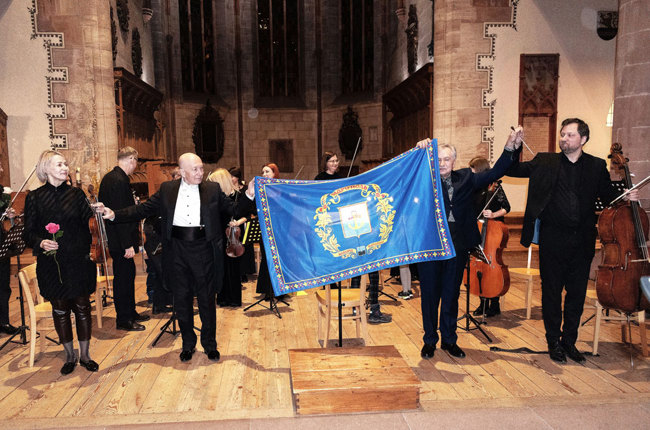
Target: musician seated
x=494 y=206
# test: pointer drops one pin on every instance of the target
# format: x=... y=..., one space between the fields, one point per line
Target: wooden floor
x=138 y=383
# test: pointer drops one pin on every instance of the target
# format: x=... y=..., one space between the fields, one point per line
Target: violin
x=234 y=248
x=489 y=276
x=623 y=231
x=99 y=245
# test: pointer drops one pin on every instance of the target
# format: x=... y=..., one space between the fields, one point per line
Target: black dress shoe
x=90 y=365
x=427 y=351
x=573 y=353
x=213 y=355
x=130 y=326
x=8 y=329
x=186 y=354
x=453 y=349
x=161 y=310
x=141 y=317
x=68 y=367
x=556 y=352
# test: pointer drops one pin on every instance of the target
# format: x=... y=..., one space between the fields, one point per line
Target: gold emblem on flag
x=354 y=219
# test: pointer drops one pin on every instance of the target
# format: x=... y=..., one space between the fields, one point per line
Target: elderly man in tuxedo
x=191 y=212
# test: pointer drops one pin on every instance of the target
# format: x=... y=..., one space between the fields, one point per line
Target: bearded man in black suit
x=191 y=212
x=562 y=193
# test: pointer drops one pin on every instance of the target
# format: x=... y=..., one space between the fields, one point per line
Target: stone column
x=90 y=122
x=632 y=88
x=457 y=86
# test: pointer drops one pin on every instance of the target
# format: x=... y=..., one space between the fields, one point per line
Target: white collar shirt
x=188 y=206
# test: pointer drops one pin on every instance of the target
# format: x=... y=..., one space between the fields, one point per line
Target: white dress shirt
x=188 y=206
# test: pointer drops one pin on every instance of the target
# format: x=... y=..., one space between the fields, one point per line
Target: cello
x=489 y=276
x=623 y=231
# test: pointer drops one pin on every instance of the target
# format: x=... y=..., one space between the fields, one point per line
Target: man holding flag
x=440 y=280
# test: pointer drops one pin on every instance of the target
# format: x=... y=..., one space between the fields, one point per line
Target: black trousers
x=62 y=323
x=193 y=273
x=5 y=289
x=123 y=286
x=564 y=261
x=440 y=287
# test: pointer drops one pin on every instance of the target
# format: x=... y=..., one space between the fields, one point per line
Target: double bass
x=623 y=231
x=489 y=276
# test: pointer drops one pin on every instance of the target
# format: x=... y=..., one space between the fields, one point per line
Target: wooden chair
x=37 y=306
x=528 y=275
x=604 y=314
x=104 y=285
x=352 y=300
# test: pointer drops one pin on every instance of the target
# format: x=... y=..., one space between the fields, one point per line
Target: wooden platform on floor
x=359 y=379
x=138 y=383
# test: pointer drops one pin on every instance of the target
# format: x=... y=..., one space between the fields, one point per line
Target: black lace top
x=66 y=206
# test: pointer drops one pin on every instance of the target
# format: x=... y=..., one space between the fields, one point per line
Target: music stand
x=254 y=234
x=14 y=245
x=468 y=316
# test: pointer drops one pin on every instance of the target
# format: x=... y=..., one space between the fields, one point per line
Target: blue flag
x=320 y=232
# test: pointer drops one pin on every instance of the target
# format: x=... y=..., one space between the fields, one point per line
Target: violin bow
x=4 y=214
x=354 y=156
x=499 y=186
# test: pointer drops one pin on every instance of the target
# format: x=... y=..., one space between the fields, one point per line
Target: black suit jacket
x=465 y=183
x=115 y=192
x=543 y=171
x=214 y=205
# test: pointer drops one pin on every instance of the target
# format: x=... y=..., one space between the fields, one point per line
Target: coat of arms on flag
x=319 y=232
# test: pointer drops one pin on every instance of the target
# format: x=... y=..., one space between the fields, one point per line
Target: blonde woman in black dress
x=66 y=274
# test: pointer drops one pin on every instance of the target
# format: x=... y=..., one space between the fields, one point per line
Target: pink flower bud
x=52 y=228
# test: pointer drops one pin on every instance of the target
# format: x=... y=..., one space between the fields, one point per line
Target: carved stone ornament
x=136 y=53
x=350 y=133
x=123 y=14
x=412 y=39
x=208 y=135
x=113 y=36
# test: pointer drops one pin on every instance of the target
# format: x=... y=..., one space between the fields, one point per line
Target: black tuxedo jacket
x=465 y=183
x=543 y=171
x=115 y=192
x=214 y=205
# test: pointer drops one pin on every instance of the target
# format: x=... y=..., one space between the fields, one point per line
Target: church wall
x=397 y=67
x=259 y=125
x=586 y=73
x=23 y=90
x=125 y=45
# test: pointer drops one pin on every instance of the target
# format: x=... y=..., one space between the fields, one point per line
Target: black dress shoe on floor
x=573 y=353
x=427 y=351
x=161 y=310
x=453 y=349
x=68 y=367
x=556 y=352
x=186 y=354
x=90 y=365
x=213 y=355
x=130 y=326
x=141 y=317
x=8 y=329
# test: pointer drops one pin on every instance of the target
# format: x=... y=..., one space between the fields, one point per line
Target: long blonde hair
x=222 y=177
